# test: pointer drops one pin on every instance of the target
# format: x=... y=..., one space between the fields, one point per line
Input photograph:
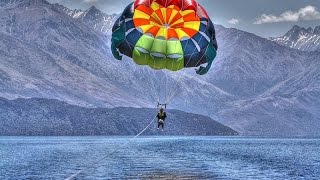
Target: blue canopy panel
x=127 y=46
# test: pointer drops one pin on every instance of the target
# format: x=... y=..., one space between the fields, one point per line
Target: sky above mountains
x=267 y=18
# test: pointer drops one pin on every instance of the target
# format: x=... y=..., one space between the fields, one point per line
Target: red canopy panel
x=182 y=4
x=201 y=12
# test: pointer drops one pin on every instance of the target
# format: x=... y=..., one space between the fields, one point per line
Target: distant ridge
x=306 y=39
x=93 y=17
x=42 y=117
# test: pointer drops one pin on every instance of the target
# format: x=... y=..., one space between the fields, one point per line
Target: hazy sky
x=263 y=17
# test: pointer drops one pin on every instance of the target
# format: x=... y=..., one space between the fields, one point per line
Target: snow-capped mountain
x=301 y=38
x=93 y=17
x=251 y=68
x=254 y=83
x=45 y=50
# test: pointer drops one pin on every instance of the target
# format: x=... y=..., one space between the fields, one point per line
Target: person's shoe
x=157 y=128
x=162 y=130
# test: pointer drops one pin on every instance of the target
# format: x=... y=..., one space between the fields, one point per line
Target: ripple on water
x=159 y=158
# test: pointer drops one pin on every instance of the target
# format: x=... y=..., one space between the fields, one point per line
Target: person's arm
x=165 y=115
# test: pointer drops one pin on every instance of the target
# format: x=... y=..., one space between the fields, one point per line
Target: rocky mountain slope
x=47 y=53
x=92 y=17
x=277 y=87
x=301 y=38
x=52 y=117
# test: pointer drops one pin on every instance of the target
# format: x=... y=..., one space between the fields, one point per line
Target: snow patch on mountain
x=301 y=38
x=92 y=17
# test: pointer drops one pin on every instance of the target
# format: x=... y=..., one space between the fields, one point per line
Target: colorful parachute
x=165 y=34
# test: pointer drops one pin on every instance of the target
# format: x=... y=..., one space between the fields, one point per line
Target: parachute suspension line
x=157 y=82
x=168 y=95
x=159 y=86
x=173 y=88
x=179 y=79
x=174 y=92
x=176 y=84
x=150 y=95
x=166 y=73
x=94 y=163
x=166 y=90
x=193 y=51
x=162 y=83
x=153 y=94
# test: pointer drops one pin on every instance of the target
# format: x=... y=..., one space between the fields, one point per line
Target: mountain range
x=34 y=117
x=305 y=39
x=92 y=17
x=256 y=86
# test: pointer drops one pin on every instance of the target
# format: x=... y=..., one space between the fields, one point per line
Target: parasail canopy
x=165 y=34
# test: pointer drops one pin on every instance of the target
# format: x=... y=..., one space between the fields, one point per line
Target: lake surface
x=159 y=158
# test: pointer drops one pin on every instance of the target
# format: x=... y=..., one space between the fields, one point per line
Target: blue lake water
x=159 y=158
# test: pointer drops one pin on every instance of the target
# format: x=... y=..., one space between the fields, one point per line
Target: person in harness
x=161 y=118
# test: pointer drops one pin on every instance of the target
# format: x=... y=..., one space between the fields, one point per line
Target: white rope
x=175 y=89
x=178 y=82
x=73 y=176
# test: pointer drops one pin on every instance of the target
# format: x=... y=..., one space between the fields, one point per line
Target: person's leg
x=158 y=125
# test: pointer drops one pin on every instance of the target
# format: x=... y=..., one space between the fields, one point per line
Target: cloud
x=307 y=13
x=234 y=21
